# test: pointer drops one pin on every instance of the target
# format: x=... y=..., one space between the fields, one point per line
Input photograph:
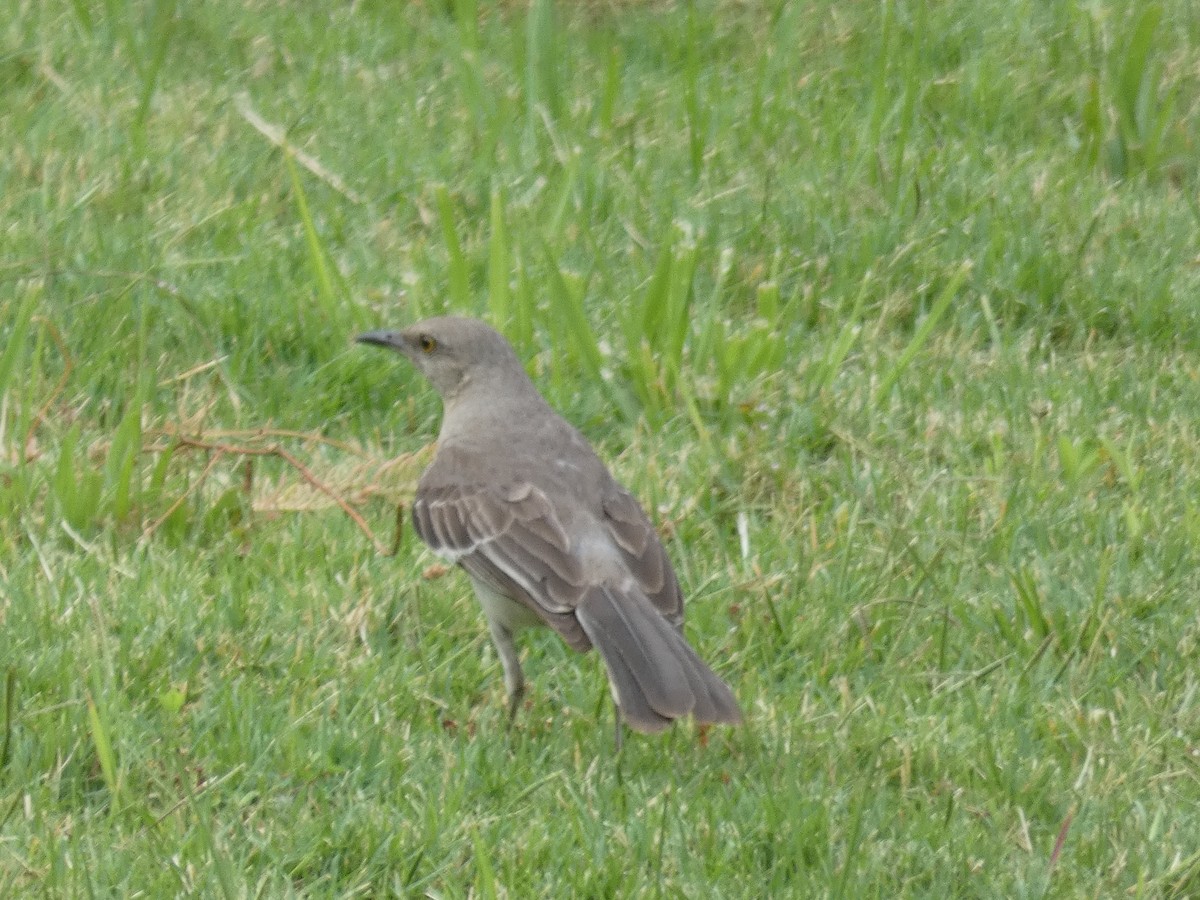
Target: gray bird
x=517 y=497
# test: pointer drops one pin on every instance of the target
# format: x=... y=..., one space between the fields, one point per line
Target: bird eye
x=427 y=343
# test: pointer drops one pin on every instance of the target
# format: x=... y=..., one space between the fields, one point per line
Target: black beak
x=389 y=339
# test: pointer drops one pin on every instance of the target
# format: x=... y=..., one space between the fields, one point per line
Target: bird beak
x=390 y=339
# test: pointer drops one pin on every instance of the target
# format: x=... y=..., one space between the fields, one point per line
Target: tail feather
x=715 y=702
x=631 y=699
x=631 y=630
x=656 y=676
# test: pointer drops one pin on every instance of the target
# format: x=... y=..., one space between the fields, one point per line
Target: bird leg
x=514 y=679
x=515 y=696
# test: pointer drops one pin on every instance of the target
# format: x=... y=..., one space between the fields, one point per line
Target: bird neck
x=493 y=403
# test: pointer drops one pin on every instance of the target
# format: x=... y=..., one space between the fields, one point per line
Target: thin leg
x=619 y=727
x=514 y=679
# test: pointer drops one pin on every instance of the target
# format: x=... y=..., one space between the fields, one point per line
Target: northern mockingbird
x=518 y=498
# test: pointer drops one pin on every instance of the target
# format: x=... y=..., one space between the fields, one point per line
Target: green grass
x=888 y=312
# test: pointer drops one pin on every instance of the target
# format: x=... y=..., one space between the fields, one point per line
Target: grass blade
x=499 y=265
x=573 y=327
x=10 y=699
x=316 y=255
x=14 y=348
x=122 y=456
x=104 y=750
x=847 y=336
x=485 y=876
x=466 y=13
x=1135 y=82
x=83 y=15
x=459 y=279
x=75 y=485
x=677 y=319
x=646 y=324
x=524 y=306
x=697 y=112
x=612 y=88
x=541 y=61
x=949 y=292
x=162 y=30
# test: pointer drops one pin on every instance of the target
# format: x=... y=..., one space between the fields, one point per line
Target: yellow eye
x=428 y=344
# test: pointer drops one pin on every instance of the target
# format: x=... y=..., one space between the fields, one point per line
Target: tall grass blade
x=910 y=92
x=572 y=327
x=471 y=84
x=711 y=326
x=459 y=277
x=881 y=95
x=767 y=300
x=204 y=819
x=158 y=474
x=326 y=297
x=1122 y=460
x=162 y=30
x=612 y=89
x=1135 y=83
x=1025 y=585
x=10 y=702
x=104 y=750
x=14 y=348
x=524 y=306
x=697 y=112
x=83 y=14
x=499 y=265
x=466 y=13
x=1087 y=630
x=645 y=373
x=930 y=322
x=1093 y=122
x=847 y=336
x=485 y=875
x=541 y=62
x=648 y=322
x=852 y=845
x=566 y=192
x=77 y=490
x=122 y=457
x=119 y=17
x=62 y=482
x=674 y=328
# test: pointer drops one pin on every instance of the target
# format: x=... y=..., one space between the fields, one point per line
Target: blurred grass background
x=888 y=311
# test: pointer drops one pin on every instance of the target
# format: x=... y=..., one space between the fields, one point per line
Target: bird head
x=451 y=352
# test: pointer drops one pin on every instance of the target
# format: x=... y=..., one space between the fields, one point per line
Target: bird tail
x=655 y=675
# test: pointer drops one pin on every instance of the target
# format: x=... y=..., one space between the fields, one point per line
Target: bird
x=517 y=497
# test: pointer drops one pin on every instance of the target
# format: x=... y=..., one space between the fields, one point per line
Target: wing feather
x=514 y=531
x=643 y=552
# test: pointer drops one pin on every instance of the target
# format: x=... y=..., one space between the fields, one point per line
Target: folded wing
x=642 y=551
x=511 y=539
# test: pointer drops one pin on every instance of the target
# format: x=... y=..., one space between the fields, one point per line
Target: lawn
x=888 y=311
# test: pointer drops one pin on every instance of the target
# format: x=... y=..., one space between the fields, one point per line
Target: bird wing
x=509 y=537
x=642 y=551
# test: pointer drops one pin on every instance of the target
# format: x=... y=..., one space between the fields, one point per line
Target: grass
x=886 y=311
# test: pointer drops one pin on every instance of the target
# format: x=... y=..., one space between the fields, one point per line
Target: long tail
x=655 y=675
